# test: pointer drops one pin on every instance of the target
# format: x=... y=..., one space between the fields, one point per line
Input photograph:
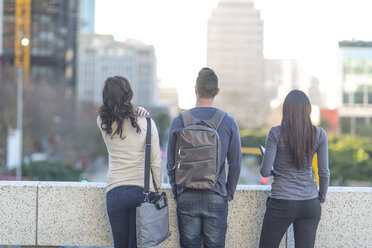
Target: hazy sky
x=305 y=30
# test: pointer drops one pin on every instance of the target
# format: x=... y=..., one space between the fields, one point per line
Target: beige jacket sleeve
x=155 y=156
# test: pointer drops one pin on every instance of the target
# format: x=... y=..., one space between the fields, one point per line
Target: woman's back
x=127 y=156
x=125 y=136
x=294 y=198
x=292 y=182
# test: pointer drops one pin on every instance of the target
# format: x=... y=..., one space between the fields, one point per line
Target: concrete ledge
x=346 y=218
x=18 y=201
x=74 y=214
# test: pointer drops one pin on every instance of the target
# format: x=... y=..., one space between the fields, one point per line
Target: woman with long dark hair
x=294 y=196
x=124 y=133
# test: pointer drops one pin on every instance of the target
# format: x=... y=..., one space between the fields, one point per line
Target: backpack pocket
x=196 y=174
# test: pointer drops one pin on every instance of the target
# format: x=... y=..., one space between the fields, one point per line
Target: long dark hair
x=117 y=95
x=298 y=132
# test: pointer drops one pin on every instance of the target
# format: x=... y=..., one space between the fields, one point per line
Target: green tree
x=350 y=158
x=51 y=171
x=253 y=138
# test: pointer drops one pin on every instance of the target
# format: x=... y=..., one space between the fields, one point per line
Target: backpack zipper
x=198 y=147
x=178 y=166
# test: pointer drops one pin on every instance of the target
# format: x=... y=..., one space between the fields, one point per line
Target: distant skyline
x=305 y=30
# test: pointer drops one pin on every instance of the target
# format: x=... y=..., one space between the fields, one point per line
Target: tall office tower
x=356 y=85
x=53 y=39
x=101 y=56
x=87 y=19
x=1 y=27
x=235 y=52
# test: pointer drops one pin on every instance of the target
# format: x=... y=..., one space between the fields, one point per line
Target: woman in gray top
x=294 y=197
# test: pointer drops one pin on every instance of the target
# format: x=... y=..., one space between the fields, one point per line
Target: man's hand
x=141 y=111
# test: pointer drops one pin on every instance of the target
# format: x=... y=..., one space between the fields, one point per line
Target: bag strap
x=147 y=162
x=215 y=121
x=217 y=118
x=187 y=118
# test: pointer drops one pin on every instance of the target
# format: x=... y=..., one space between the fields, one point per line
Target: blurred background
x=56 y=54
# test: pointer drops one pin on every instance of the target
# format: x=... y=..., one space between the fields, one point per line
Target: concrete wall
x=74 y=214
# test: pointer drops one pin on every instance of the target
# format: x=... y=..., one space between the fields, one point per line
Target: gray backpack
x=197 y=163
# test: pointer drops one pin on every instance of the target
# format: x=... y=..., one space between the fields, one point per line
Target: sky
x=307 y=30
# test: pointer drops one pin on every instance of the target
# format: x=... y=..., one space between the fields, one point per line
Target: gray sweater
x=291 y=183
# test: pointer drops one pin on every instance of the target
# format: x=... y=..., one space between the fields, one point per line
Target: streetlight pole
x=19 y=119
x=20 y=70
x=22 y=33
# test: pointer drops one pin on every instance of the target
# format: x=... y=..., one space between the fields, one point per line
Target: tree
x=51 y=171
x=52 y=123
x=349 y=159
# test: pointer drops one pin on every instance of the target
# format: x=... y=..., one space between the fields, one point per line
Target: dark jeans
x=202 y=217
x=121 y=203
x=280 y=214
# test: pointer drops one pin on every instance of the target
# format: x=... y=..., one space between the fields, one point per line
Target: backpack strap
x=215 y=121
x=187 y=118
x=217 y=118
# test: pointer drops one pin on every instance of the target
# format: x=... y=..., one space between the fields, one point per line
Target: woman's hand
x=321 y=204
x=141 y=111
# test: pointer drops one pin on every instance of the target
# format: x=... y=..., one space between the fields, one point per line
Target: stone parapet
x=74 y=214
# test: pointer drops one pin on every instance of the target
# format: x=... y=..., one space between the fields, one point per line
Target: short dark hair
x=207 y=83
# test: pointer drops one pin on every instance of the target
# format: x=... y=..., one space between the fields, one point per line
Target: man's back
x=202 y=213
x=230 y=148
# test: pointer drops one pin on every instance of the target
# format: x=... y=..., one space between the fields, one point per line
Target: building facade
x=87 y=18
x=356 y=83
x=101 y=56
x=54 y=27
x=235 y=52
x=1 y=26
x=169 y=96
x=282 y=76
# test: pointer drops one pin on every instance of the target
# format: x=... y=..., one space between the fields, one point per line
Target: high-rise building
x=87 y=19
x=356 y=84
x=1 y=26
x=235 y=52
x=53 y=38
x=101 y=56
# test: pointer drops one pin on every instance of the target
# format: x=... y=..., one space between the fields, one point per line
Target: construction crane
x=22 y=35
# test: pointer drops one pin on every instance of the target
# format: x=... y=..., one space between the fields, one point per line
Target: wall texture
x=74 y=214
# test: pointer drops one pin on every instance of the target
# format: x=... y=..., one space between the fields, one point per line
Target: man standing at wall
x=202 y=207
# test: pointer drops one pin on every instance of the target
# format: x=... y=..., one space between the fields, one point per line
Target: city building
x=169 y=96
x=316 y=95
x=356 y=84
x=235 y=52
x=282 y=76
x=101 y=56
x=53 y=39
x=1 y=27
x=87 y=19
